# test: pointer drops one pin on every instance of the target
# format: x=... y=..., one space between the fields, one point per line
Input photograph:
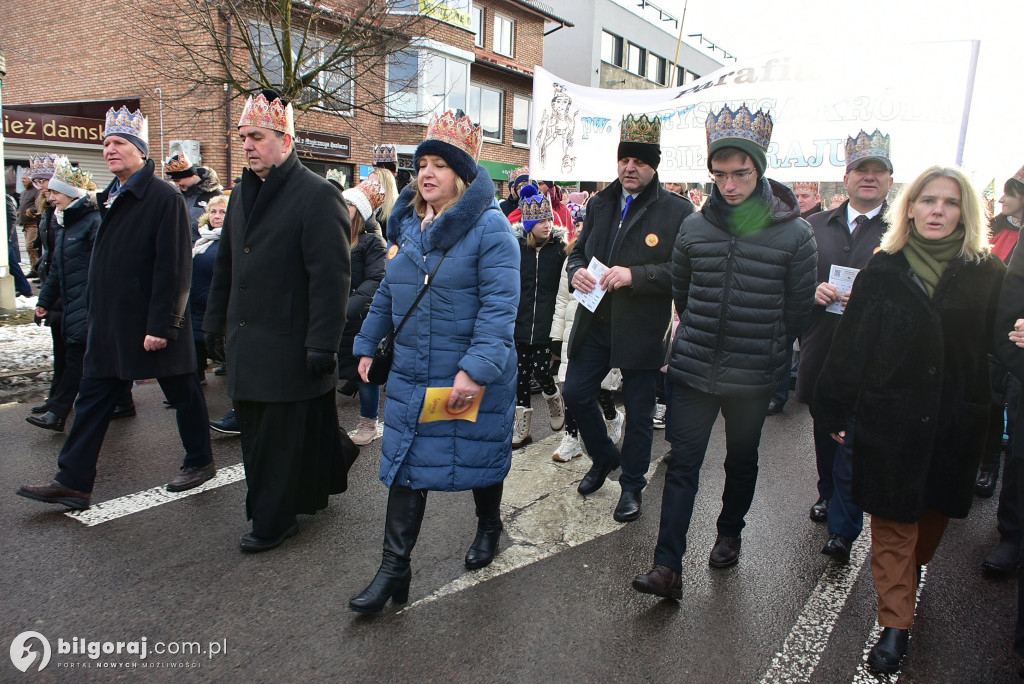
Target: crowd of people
x=903 y=333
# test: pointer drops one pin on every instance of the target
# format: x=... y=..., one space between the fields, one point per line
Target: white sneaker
x=569 y=449
x=659 y=416
x=614 y=426
x=365 y=432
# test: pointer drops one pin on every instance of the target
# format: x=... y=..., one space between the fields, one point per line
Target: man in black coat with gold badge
x=280 y=288
x=137 y=325
x=630 y=227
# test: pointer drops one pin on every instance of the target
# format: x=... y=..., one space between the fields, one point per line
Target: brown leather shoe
x=725 y=553
x=660 y=581
x=191 y=477
x=55 y=492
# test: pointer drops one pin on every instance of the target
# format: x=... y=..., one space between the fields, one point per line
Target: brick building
x=68 y=63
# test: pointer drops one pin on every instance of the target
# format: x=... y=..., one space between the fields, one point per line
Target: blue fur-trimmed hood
x=446 y=230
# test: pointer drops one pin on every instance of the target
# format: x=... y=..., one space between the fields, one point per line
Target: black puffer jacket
x=369 y=259
x=743 y=282
x=69 y=268
x=540 y=271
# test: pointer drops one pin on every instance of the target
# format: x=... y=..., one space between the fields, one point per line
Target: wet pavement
x=556 y=605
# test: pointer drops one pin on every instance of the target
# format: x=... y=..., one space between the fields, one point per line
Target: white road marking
x=802 y=649
x=140 y=501
x=542 y=524
x=867 y=675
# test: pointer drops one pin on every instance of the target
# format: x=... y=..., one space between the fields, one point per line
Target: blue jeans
x=369 y=400
x=844 y=516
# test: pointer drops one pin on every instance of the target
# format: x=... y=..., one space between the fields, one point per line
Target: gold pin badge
x=651 y=240
x=392 y=251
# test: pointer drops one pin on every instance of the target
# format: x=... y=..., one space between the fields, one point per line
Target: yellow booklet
x=435 y=406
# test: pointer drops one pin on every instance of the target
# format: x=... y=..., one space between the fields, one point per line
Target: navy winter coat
x=464 y=322
x=540 y=271
x=69 y=267
x=368 y=261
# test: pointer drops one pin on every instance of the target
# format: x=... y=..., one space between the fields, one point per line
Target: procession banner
x=918 y=94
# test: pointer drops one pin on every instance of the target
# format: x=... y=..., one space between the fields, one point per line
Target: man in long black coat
x=137 y=325
x=630 y=227
x=280 y=288
x=848 y=236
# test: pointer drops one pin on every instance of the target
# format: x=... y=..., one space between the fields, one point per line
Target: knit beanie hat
x=453 y=137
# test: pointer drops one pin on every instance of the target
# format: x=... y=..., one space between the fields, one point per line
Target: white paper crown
x=41 y=166
x=385 y=154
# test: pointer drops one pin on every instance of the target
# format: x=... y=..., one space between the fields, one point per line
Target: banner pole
x=679 y=40
x=975 y=48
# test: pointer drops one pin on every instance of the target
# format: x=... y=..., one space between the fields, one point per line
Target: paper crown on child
x=41 y=166
x=535 y=207
x=367 y=197
x=179 y=166
x=69 y=180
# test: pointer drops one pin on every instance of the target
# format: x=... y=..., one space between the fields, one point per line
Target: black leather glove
x=215 y=347
x=320 y=362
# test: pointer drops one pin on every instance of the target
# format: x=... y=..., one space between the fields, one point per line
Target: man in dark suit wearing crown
x=743 y=282
x=630 y=228
x=278 y=300
x=137 y=324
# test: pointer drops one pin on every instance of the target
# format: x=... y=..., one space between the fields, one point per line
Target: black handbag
x=384 y=355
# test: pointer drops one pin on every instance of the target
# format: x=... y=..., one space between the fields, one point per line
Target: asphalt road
x=556 y=606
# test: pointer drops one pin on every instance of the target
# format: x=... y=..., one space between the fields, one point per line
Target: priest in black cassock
x=278 y=300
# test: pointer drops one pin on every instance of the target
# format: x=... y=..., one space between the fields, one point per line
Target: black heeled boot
x=405 y=514
x=488 y=527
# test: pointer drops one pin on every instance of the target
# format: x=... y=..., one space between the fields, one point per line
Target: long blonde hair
x=972 y=214
x=387 y=181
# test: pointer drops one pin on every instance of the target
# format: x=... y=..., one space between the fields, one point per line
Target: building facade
x=68 y=63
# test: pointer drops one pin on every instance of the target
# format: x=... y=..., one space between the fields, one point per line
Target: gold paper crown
x=273 y=115
x=373 y=191
x=385 y=154
x=517 y=172
x=335 y=175
x=123 y=122
x=865 y=146
x=741 y=123
x=178 y=163
x=1019 y=176
x=640 y=129
x=807 y=186
x=67 y=174
x=41 y=166
x=459 y=132
x=536 y=208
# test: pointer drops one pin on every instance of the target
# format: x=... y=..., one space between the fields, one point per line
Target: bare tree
x=329 y=54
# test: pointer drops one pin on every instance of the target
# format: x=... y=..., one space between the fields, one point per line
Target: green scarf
x=929 y=258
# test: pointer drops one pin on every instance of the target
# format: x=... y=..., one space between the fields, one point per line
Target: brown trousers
x=897 y=550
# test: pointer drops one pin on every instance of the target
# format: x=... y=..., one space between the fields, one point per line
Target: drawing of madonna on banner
x=919 y=94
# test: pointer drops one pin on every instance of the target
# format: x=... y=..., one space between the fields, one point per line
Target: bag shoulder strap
x=423 y=291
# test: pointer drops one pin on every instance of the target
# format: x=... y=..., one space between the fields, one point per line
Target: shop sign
x=19 y=125
x=311 y=144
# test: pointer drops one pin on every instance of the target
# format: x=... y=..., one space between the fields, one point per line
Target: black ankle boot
x=885 y=656
x=405 y=513
x=481 y=553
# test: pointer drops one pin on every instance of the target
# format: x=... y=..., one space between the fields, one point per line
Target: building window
x=477 y=25
x=335 y=90
x=485 y=109
x=611 y=48
x=504 y=35
x=656 y=68
x=685 y=76
x=422 y=82
x=522 y=114
x=636 y=60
